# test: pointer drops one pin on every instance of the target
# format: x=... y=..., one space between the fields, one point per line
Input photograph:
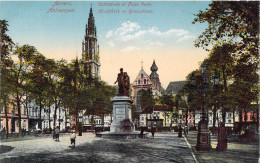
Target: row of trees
x=27 y=75
x=232 y=41
x=231 y=38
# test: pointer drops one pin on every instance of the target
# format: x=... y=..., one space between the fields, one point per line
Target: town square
x=129 y=81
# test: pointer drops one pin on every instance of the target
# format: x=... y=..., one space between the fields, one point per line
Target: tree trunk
x=65 y=119
x=55 y=115
x=194 y=122
x=28 y=117
x=257 y=118
x=40 y=116
x=240 y=121
x=186 y=123
x=245 y=118
x=224 y=115
x=225 y=90
x=214 y=116
x=49 y=115
x=93 y=121
x=6 y=119
x=164 y=119
x=59 y=118
x=234 y=123
x=19 y=111
x=77 y=120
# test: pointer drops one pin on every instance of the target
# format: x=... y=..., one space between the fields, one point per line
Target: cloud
x=111 y=43
x=186 y=37
x=129 y=49
x=130 y=36
x=109 y=34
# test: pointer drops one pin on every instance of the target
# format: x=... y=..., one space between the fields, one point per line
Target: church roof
x=154 y=67
x=145 y=76
x=175 y=87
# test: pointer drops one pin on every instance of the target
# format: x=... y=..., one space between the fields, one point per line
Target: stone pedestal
x=122 y=119
x=122 y=126
x=203 y=137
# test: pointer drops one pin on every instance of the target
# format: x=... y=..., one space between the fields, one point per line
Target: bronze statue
x=123 y=83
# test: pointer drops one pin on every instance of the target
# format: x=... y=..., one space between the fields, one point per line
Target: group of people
x=153 y=129
x=72 y=137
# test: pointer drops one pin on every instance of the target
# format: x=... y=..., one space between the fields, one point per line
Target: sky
x=164 y=34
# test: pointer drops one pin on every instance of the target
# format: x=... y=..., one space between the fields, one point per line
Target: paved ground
x=238 y=152
x=165 y=147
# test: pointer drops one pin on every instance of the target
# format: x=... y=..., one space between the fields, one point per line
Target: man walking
x=153 y=131
x=57 y=131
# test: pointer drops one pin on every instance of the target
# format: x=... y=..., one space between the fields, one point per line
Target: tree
x=146 y=98
x=234 y=23
x=6 y=45
x=54 y=75
x=37 y=83
x=232 y=35
x=19 y=74
x=166 y=101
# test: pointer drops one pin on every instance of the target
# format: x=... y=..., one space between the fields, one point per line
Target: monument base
x=120 y=135
x=122 y=126
x=122 y=117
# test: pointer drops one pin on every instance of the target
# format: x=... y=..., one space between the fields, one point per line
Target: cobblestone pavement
x=238 y=152
x=165 y=147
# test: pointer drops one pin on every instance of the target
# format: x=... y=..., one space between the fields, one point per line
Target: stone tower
x=90 y=48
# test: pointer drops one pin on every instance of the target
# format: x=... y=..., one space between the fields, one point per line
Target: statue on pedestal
x=123 y=81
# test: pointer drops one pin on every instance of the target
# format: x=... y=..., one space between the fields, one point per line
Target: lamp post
x=203 y=137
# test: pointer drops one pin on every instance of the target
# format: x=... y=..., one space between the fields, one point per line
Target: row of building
x=159 y=116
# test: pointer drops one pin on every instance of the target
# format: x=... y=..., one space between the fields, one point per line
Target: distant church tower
x=154 y=77
x=90 y=49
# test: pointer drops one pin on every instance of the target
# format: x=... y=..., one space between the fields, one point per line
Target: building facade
x=143 y=82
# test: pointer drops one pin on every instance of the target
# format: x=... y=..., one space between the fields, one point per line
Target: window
x=138 y=82
x=142 y=118
x=144 y=81
x=229 y=121
x=142 y=76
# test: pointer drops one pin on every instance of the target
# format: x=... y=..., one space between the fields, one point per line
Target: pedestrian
x=23 y=132
x=180 y=131
x=4 y=130
x=142 y=132
x=186 y=130
x=153 y=129
x=57 y=131
x=73 y=138
x=3 y=133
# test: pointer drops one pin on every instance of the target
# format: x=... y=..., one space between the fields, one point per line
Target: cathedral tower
x=90 y=48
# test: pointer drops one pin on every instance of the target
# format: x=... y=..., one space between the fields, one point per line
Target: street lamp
x=203 y=137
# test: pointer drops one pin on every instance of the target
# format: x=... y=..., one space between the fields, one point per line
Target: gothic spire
x=91 y=13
